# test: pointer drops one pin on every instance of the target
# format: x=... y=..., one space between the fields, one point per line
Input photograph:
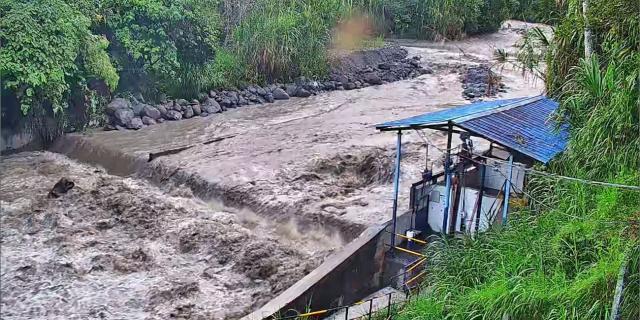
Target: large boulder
x=291 y=90
x=148 y=120
x=211 y=106
x=122 y=116
x=279 y=94
x=302 y=93
x=349 y=86
x=162 y=109
x=135 y=123
x=173 y=115
x=196 y=110
x=117 y=104
x=340 y=78
x=151 y=112
x=187 y=113
x=269 y=97
x=372 y=78
x=138 y=108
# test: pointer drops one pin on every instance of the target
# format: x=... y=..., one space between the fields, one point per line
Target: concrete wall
x=114 y=161
x=343 y=278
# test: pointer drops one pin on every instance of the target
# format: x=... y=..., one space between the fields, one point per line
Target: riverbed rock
x=123 y=116
x=211 y=106
x=173 y=115
x=135 y=123
x=162 y=109
x=279 y=94
x=302 y=93
x=117 y=104
x=349 y=86
x=291 y=89
x=268 y=97
x=188 y=112
x=372 y=78
x=137 y=108
x=148 y=120
x=151 y=112
x=182 y=102
x=196 y=110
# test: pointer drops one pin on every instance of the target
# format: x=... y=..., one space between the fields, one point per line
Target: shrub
x=154 y=41
x=47 y=51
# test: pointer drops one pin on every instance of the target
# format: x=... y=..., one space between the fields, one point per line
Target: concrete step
x=380 y=303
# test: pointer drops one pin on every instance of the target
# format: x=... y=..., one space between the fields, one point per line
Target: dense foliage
x=48 y=49
x=436 y=19
x=560 y=258
x=62 y=57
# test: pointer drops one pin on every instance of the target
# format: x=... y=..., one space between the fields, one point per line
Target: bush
x=48 y=50
x=154 y=41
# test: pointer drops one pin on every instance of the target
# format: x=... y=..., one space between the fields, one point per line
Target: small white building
x=474 y=190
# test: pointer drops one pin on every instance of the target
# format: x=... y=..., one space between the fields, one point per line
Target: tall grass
x=435 y=19
x=281 y=39
x=285 y=38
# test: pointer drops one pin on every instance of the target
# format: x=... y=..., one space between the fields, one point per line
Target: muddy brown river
x=232 y=209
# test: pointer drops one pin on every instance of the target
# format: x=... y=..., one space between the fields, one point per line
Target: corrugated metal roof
x=521 y=124
x=443 y=116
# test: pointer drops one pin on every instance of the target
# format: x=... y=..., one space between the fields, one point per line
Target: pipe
x=507 y=192
x=483 y=174
x=447 y=161
x=396 y=182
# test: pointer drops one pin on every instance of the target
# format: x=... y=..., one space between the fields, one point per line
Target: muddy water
x=285 y=184
x=120 y=248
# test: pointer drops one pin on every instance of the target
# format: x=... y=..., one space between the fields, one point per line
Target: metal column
x=396 y=183
x=507 y=192
x=483 y=173
x=447 y=174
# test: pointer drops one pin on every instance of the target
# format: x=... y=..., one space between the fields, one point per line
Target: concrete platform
x=377 y=301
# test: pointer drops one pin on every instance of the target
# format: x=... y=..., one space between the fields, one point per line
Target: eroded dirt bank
x=119 y=248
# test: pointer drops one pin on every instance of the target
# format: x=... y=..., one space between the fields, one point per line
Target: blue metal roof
x=521 y=124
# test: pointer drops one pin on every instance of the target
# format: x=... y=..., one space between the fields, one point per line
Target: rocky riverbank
x=480 y=81
x=352 y=71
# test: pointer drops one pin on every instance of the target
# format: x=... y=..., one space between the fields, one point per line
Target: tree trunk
x=588 y=36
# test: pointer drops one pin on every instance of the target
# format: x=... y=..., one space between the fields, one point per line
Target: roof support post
x=396 y=183
x=483 y=173
x=447 y=175
x=507 y=192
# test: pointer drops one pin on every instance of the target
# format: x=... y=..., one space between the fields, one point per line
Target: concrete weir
x=362 y=267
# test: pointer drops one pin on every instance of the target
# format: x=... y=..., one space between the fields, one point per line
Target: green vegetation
x=560 y=258
x=282 y=39
x=60 y=58
x=436 y=19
